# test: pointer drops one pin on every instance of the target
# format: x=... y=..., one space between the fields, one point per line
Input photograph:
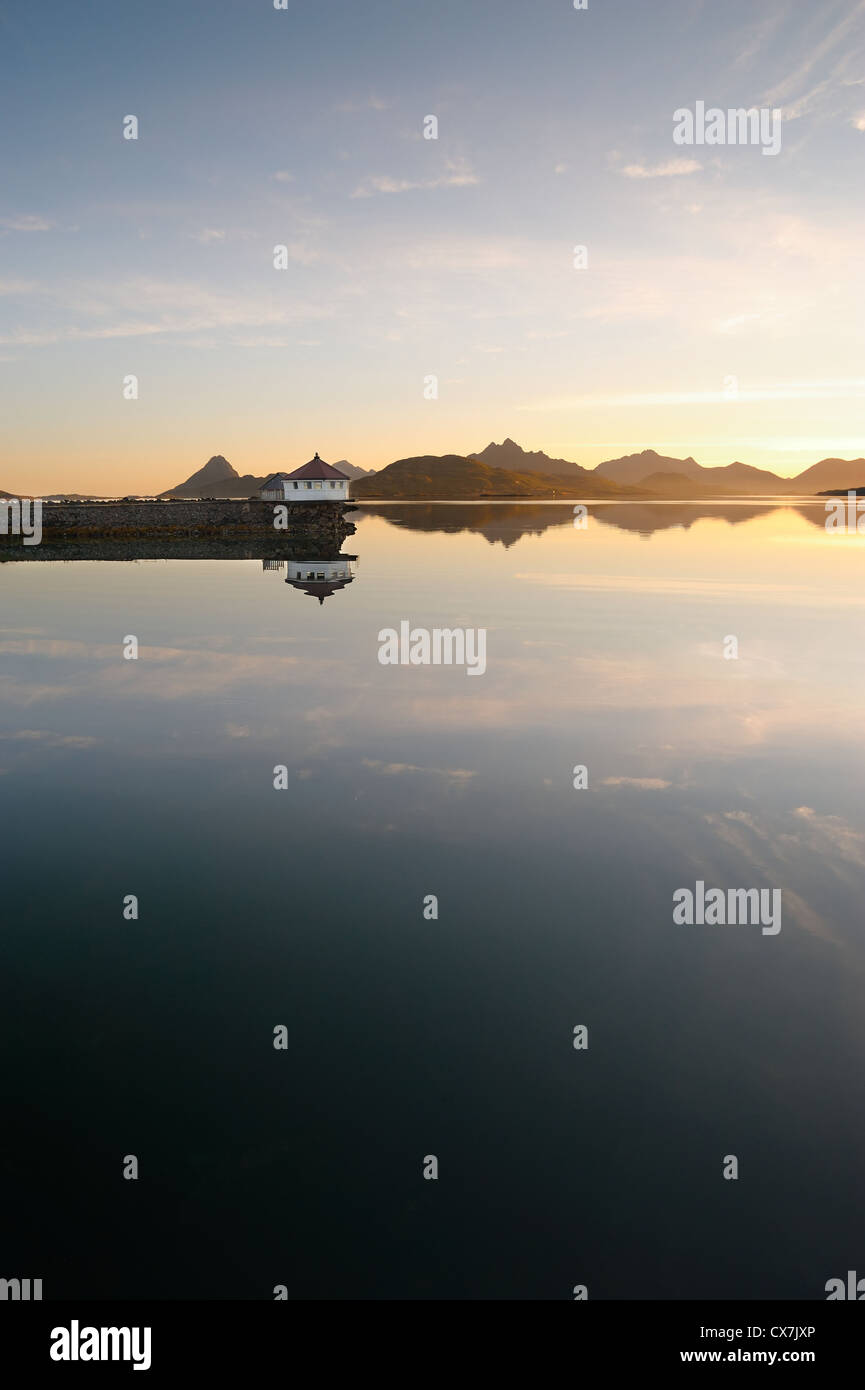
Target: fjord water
x=452 y=1037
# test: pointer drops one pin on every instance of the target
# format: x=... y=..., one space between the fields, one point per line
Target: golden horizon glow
x=573 y=278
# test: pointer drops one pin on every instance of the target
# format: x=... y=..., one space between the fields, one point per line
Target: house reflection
x=317 y=577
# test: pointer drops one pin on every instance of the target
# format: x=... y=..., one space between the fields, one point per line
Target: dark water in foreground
x=409 y=1037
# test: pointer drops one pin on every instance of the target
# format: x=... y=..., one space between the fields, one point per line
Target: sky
x=719 y=311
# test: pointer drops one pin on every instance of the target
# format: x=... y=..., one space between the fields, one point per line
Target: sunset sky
x=411 y=257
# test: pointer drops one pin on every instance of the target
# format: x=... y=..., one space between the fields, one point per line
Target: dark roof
x=319 y=590
x=317 y=468
x=274 y=478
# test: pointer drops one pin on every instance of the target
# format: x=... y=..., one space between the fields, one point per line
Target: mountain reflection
x=506 y=523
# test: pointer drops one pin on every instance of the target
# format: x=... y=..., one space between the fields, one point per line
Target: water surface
x=409 y=1037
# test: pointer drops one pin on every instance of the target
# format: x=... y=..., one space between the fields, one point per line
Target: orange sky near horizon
x=568 y=274
x=138 y=468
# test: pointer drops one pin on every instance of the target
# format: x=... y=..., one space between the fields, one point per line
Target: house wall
x=330 y=570
x=316 y=490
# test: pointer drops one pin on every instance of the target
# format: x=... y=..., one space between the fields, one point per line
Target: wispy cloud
x=51 y=739
x=12 y=287
x=371 y=103
x=458 y=174
x=827 y=834
x=452 y=774
x=788 y=86
x=759 y=37
x=457 y=253
x=29 y=223
x=141 y=307
x=669 y=169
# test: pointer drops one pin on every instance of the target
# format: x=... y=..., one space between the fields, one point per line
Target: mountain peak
x=215 y=469
x=510 y=455
x=631 y=469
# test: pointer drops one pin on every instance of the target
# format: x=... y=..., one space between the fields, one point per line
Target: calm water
x=409 y=1037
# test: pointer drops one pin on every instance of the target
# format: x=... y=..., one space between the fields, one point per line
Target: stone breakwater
x=130 y=548
x=316 y=523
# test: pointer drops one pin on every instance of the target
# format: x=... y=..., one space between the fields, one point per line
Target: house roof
x=274 y=478
x=318 y=590
x=317 y=468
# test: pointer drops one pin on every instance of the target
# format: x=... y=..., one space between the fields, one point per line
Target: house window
x=309 y=485
x=296 y=485
x=318 y=486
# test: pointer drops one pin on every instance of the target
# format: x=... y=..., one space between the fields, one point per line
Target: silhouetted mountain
x=739 y=479
x=745 y=480
x=633 y=468
x=647 y=474
x=517 y=460
x=215 y=470
x=218 y=479
x=452 y=476
x=734 y=479
x=675 y=485
x=832 y=474
x=512 y=471
x=351 y=470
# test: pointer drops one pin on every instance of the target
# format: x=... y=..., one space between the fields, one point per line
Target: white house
x=321 y=577
x=315 y=481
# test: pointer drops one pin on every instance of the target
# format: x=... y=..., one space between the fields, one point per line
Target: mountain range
x=652 y=471
x=218 y=479
x=507 y=470
x=454 y=476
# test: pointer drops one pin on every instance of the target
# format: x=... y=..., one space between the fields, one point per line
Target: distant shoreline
x=742 y=499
